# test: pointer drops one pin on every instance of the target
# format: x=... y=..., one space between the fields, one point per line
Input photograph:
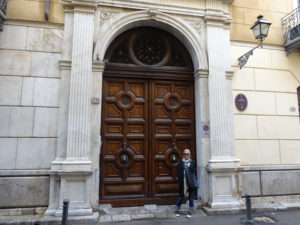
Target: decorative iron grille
x=291 y=25
x=3 y=5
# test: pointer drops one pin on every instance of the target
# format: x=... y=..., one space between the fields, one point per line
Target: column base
x=224 y=183
x=70 y=180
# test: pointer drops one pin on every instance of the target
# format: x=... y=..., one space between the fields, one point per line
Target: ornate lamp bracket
x=3 y=6
x=244 y=58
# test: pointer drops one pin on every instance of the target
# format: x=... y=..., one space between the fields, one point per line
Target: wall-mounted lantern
x=260 y=30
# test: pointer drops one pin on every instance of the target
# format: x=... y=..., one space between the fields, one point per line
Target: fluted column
x=221 y=135
x=71 y=172
x=218 y=45
x=223 y=165
x=80 y=85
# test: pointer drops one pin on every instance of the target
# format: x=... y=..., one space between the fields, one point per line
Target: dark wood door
x=124 y=153
x=147 y=117
x=172 y=126
x=145 y=126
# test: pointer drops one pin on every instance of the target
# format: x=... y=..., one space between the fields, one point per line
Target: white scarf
x=187 y=163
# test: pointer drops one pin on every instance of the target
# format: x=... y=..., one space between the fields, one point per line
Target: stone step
x=117 y=214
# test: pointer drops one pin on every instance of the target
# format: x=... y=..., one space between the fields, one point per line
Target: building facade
x=99 y=98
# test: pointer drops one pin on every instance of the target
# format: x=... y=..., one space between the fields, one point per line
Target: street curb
x=46 y=220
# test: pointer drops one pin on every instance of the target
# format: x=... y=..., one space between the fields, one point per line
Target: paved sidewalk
x=277 y=218
x=199 y=218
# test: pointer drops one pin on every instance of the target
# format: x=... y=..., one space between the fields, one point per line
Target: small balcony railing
x=291 y=28
x=3 y=5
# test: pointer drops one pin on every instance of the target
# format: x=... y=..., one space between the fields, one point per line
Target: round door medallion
x=125 y=100
x=172 y=101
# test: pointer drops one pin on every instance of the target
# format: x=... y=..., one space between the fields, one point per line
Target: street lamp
x=260 y=30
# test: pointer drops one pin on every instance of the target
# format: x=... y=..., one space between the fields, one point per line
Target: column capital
x=227 y=1
x=65 y=64
x=217 y=19
x=98 y=66
x=86 y=6
x=229 y=74
x=200 y=74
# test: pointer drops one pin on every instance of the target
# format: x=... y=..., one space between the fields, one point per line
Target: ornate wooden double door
x=147 y=121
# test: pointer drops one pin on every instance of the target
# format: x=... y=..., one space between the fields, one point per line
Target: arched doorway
x=147 y=117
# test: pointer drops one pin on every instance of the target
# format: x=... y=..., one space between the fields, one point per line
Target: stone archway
x=147 y=117
x=188 y=36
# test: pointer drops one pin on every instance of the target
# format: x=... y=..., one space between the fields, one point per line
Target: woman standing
x=187 y=182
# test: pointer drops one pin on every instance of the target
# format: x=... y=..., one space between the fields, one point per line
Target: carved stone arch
x=178 y=27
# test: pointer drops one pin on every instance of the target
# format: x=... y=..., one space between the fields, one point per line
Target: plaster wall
x=29 y=94
x=244 y=14
x=35 y=10
x=268 y=131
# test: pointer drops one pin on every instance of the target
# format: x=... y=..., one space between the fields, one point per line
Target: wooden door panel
x=125 y=147
x=173 y=129
x=130 y=112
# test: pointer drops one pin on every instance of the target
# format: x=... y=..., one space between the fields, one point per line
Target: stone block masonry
x=29 y=96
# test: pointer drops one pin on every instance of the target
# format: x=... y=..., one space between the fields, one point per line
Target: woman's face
x=186 y=154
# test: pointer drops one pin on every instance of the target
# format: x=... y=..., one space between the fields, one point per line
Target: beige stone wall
x=245 y=12
x=35 y=10
x=29 y=96
x=268 y=132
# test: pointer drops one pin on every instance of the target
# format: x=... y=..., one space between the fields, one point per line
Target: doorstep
x=118 y=214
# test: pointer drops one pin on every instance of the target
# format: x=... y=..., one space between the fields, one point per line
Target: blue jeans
x=181 y=197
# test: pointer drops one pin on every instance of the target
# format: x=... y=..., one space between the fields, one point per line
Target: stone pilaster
x=80 y=85
x=71 y=172
x=222 y=166
x=202 y=139
x=98 y=68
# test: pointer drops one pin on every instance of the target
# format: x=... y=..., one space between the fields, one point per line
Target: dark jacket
x=180 y=174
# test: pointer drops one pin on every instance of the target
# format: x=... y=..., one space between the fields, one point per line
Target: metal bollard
x=248 y=207
x=65 y=212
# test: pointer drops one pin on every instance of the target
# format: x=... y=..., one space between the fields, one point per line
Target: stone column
x=222 y=166
x=71 y=172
